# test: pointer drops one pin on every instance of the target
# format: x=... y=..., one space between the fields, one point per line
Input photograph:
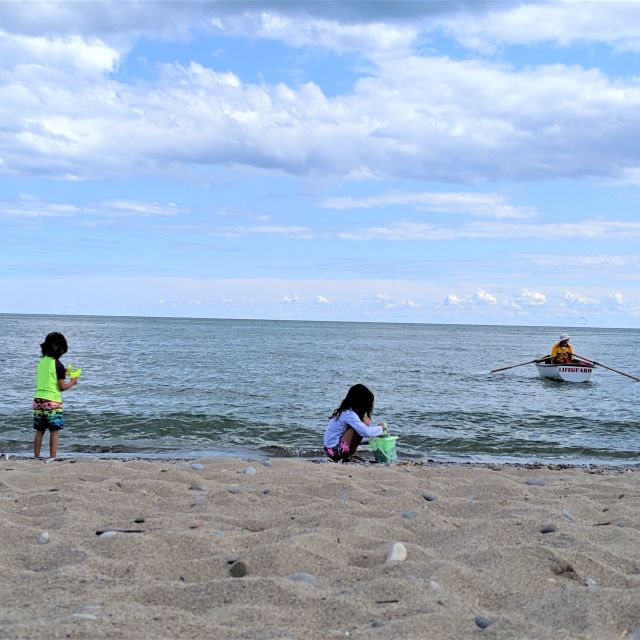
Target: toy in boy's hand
x=73 y=373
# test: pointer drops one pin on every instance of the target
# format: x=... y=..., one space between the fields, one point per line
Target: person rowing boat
x=562 y=351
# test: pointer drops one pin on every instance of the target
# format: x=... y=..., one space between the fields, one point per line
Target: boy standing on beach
x=47 y=403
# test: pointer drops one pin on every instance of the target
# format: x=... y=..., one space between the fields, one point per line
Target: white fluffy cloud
x=410 y=116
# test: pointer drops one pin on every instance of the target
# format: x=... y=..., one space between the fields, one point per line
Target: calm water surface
x=180 y=387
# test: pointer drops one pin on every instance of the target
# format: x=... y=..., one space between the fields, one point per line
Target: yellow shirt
x=561 y=354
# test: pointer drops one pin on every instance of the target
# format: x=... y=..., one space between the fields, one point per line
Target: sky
x=457 y=162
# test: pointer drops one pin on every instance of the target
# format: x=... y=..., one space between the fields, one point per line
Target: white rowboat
x=571 y=372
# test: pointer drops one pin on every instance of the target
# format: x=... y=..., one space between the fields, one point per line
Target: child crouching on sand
x=349 y=423
x=50 y=382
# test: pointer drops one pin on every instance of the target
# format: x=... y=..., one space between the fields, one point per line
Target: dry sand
x=315 y=540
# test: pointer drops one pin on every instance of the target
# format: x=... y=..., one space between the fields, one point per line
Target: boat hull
x=573 y=372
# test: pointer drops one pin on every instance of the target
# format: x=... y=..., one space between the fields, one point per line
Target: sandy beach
x=231 y=548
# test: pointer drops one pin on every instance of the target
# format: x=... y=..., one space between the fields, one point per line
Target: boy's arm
x=63 y=385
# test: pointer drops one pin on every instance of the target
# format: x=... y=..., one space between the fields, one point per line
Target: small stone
x=620 y=524
x=108 y=534
x=377 y=623
x=139 y=520
x=266 y=463
x=266 y=492
x=196 y=487
x=535 y=482
x=482 y=622
x=590 y=582
x=250 y=471
x=235 y=490
x=217 y=533
x=84 y=616
x=344 y=495
x=434 y=585
x=196 y=524
x=198 y=500
x=239 y=569
x=548 y=528
x=234 y=557
x=562 y=568
x=568 y=515
x=305 y=577
x=409 y=515
x=429 y=498
x=472 y=498
x=398 y=553
x=43 y=538
x=197 y=466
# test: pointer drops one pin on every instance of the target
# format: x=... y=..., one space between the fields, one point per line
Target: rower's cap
x=564 y=336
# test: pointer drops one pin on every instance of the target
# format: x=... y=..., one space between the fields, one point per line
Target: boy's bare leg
x=37 y=443
x=53 y=444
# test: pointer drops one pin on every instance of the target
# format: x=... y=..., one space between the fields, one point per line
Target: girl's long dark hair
x=359 y=399
x=54 y=345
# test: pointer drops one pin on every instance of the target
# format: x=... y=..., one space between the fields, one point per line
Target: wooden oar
x=622 y=373
x=512 y=366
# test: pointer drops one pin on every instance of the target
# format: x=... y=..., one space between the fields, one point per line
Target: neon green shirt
x=48 y=373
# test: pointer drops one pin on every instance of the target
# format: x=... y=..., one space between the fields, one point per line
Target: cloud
x=483 y=297
x=409 y=116
x=292 y=231
x=577 y=298
x=563 y=23
x=583 y=230
x=479 y=298
x=322 y=300
x=454 y=300
x=29 y=207
x=289 y=298
x=532 y=298
x=474 y=204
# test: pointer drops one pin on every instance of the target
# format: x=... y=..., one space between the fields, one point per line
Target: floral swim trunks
x=339 y=452
x=47 y=414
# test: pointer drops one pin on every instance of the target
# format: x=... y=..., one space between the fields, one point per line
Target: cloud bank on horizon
x=364 y=160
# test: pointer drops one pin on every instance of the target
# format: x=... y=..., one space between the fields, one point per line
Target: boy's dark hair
x=54 y=345
x=359 y=399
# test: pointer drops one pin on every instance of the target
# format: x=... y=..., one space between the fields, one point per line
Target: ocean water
x=183 y=387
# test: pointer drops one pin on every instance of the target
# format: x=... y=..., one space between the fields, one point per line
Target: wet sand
x=236 y=549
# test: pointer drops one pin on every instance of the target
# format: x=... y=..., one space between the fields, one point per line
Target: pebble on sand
x=409 y=515
x=266 y=463
x=398 y=553
x=197 y=466
x=568 y=515
x=43 y=538
x=139 y=520
x=234 y=490
x=482 y=622
x=250 y=471
x=429 y=497
x=239 y=569
x=303 y=576
x=548 y=528
x=535 y=482
x=196 y=487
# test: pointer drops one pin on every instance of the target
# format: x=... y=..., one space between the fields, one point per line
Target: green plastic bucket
x=384 y=448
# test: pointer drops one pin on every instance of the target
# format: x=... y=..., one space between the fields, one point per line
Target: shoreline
x=322 y=459
x=288 y=548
